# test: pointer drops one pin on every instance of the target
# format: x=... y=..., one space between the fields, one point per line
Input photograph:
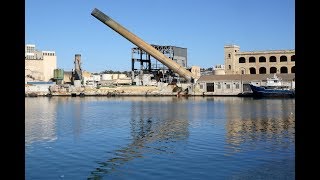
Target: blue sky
x=204 y=27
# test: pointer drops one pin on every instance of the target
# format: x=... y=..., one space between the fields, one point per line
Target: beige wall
x=49 y=64
x=34 y=68
x=41 y=69
x=196 y=71
x=232 y=55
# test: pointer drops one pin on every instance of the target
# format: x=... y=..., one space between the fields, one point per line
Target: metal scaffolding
x=144 y=63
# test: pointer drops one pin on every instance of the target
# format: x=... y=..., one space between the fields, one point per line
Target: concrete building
x=233 y=84
x=258 y=62
x=67 y=77
x=39 y=65
x=196 y=71
x=218 y=70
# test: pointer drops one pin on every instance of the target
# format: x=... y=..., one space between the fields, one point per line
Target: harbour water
x=159 y=138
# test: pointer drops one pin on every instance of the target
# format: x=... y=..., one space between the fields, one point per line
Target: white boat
x=274 y=88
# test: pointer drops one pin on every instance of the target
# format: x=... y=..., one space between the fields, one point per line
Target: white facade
x=39 y=65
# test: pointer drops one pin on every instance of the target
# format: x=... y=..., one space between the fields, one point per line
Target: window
x=252 y=70
x=237 y=86
x=293 y=58
x=228 y=86
x=283 y=58
x=210 y=87
x=273 y=70
x=262 y=59
x=272 y=59
x=283 y=69
x=252 y=59
x=242 y=60
x=262 y=70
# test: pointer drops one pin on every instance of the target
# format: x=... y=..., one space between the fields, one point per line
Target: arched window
x=252 y=59
x=272 y=59
x=293 y=69
x=293 y=58
x=283 y=59
x=262 y=70
x=273 y=70
x=229 y=66
x=283 y=69
x=252 y=70
x=229 y=55
x=262 y=59
x=242 y=60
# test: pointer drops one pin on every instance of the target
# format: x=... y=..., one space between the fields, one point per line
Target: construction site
x=156 y=70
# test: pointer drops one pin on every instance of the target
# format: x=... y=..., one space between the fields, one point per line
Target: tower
x=77 y=73
x=230 y=52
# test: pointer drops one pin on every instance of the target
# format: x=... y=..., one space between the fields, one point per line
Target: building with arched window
x=258 y=62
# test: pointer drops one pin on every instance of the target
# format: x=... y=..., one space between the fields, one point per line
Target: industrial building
x=39 y=65
x=147 y=62
x=146 y=69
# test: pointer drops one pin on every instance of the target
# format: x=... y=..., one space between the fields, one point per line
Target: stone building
x=39 y=65
x=258 y=62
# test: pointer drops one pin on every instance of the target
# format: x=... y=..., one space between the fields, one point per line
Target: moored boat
x=273 y=88
x=262 y=91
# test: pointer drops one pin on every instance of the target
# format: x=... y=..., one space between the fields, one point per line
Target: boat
x=273 y=88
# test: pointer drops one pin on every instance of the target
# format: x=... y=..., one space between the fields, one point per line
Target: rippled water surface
x=159 y=138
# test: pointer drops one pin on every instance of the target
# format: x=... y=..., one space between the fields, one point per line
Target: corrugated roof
x=245 y=77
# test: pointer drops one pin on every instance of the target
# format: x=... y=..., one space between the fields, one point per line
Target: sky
x=204 y=27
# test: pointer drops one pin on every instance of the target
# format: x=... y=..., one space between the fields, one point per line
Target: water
x=159 y=138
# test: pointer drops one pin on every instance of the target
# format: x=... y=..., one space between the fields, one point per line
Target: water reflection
x=40 y=124
x=259 y=121
x=44 y=116
x=117 y=134
x=154 y=125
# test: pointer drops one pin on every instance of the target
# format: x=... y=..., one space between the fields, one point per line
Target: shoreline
x=128 y=95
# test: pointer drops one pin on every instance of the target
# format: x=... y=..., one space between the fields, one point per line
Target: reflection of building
x=258 y=62
x=161 y=120
x=39 y=65
x=153 y=121
x=249 y=120
x=40 y=120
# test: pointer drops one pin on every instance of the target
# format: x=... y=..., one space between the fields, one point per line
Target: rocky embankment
x=60 y=90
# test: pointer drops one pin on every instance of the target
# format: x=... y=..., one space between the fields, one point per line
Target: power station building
x=39 y=65
x=258 y=62
x=144 y=62
x=177 y=54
